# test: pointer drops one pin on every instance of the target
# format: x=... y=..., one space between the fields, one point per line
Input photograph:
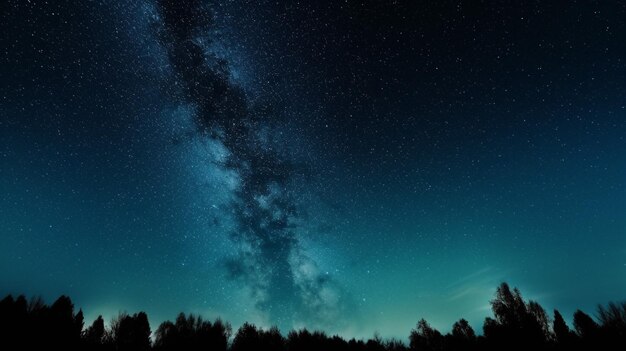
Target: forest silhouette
x=516 y=324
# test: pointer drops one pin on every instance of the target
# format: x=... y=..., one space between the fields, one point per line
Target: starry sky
x=350 y=166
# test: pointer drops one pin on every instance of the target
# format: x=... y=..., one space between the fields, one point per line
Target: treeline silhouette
x=516 y=324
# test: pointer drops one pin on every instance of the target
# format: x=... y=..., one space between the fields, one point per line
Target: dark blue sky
x=350 y=166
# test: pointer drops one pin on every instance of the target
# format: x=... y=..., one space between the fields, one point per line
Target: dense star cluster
x=350 y=166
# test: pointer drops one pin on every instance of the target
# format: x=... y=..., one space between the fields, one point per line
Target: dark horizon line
x=513 y=319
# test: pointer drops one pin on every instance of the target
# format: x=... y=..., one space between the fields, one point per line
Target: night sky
x=343 y=165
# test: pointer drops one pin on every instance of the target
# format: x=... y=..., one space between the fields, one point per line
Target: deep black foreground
x=516 y=325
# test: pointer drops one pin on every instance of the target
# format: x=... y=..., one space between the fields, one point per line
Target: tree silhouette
x=613 y=321
x=395 y=345
x=462 y=336
x=192 y=333
x=585 y=326
x=537 y=322
x=303 y=340
x=463 y=331
x=13 y=320
x=424 y=337
x=587 y=329
x=130 y=332
x=563 y=336
x=93 y=337
x=515 y=321
x=515 y=324
x=272 y=340
x=247 y=338
x=375 y=344
x=63 y=327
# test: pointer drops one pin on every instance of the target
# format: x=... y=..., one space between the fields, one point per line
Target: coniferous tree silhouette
x=94 y=336
x=563 y=336
x=585 y=326
x=247 y=338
